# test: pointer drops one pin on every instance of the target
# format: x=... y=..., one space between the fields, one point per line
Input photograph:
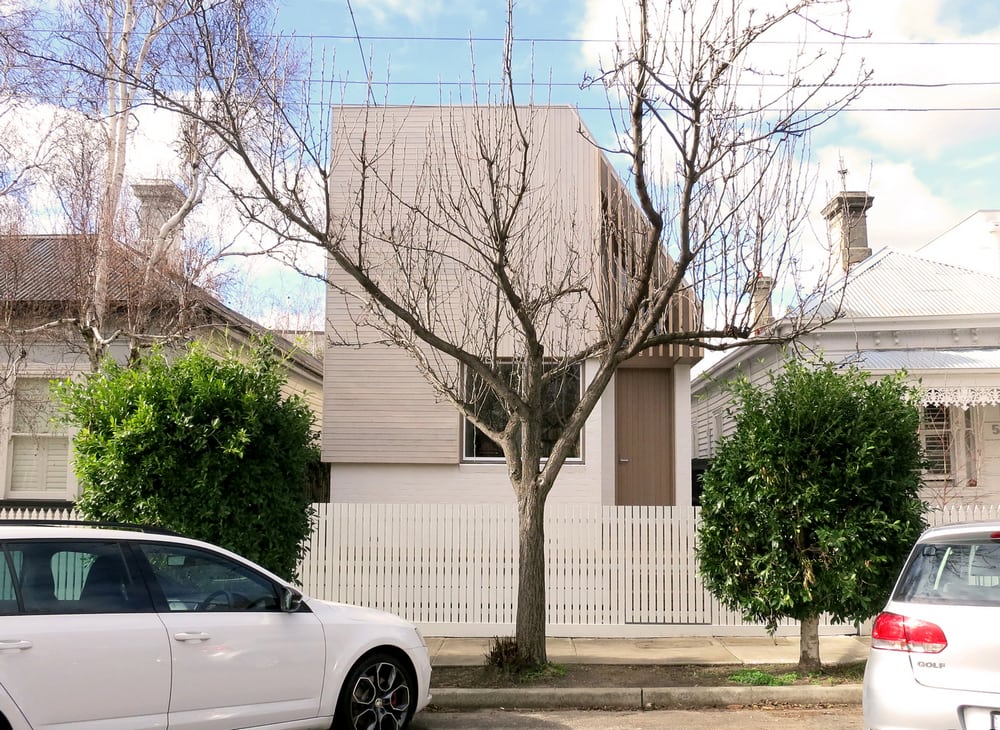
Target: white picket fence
x=452 y=569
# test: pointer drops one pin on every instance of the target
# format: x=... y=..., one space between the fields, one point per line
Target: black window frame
x=478 y=448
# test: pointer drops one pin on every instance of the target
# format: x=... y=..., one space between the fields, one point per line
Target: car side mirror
x=291 y=599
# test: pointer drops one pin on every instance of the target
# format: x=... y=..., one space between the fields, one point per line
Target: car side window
x=75 y=577
x=199 y=580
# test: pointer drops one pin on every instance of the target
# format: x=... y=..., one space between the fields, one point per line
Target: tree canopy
x=205 y=446
x=811 y=504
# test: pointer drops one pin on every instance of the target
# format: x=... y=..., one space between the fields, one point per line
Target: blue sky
x=915 y=141
x=924 y=140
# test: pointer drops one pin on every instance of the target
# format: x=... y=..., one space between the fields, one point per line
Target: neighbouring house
x=974 y=243
x=927 y=313
x=42 y=283
x=387 y=435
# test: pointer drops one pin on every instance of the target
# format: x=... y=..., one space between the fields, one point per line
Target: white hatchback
x=117 y=629
x=935 y=657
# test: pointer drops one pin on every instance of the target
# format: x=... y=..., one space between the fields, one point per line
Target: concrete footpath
x=687 y=650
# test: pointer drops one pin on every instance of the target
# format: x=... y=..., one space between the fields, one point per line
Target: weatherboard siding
x=378 y=408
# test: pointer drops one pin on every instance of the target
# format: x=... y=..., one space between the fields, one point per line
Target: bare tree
x=89 y=54
x=487 y=280
x=22 y=152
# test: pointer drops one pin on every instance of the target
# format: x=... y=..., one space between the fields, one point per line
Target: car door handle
x=192 y=636
x=14 y=644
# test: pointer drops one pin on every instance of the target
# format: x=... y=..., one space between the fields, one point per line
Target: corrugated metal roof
x=58 y=268
x=917 y=360
x=897 y=284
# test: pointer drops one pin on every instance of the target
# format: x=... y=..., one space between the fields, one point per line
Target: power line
x=922 y=109
x=309 y=37
x=500 y=39
x=364 y=61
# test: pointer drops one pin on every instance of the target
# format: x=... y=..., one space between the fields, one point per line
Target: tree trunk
x=530 y=628
x=809 y=645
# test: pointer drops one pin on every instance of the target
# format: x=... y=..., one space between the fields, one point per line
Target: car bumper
x=420 y=658
x=893 y=700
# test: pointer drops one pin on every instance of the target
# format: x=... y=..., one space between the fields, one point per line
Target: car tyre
x=380 y=694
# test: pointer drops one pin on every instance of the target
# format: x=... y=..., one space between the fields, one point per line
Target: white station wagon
x=120 y=629
x=935 y=656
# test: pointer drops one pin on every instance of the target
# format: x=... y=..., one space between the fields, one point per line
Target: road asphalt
x=686 y=650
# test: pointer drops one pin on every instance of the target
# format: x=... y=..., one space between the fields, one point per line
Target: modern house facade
x=388 y=435
x=929 y=314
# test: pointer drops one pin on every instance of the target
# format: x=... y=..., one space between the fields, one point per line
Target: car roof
x=961 y=530
x=13 y=529
x=26 y=529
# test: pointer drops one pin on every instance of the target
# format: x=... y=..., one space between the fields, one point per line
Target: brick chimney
x=848 y=226
x=761 y=303
x=159 y=200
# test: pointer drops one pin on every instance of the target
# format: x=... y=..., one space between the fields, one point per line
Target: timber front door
x=644 y=474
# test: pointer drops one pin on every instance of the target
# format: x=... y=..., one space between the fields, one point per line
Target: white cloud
x=916 y=77
x=920 y=58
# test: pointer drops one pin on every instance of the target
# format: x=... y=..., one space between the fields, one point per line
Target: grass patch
x=775 y=676
x=760 y=678
x=632 y=675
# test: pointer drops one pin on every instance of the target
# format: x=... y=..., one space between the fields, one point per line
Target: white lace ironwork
x=963 y=396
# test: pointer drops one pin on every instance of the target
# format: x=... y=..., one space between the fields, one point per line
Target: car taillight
x=901 y=633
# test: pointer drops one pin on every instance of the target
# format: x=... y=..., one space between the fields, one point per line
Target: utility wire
x=361 y=49
x=357 y=37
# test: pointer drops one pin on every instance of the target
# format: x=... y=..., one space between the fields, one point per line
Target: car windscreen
x=952 y=572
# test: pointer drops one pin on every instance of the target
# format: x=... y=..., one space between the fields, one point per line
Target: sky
x=923 y=139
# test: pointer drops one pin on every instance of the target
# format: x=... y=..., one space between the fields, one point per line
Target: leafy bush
x=205 y=446
x=811 y=504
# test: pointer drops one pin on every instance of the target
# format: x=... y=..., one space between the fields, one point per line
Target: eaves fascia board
x=728 y=364
x=239 y=323
x=911 y=323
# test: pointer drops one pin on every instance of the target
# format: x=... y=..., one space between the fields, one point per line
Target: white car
x=935 y=657
x=117 y=629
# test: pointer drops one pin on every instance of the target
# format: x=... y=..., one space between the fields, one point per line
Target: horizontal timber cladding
x=380 y=409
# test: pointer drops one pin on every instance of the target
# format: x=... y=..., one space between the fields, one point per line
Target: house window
x=936 y=436
x=560 y=398
x=39 y=453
